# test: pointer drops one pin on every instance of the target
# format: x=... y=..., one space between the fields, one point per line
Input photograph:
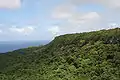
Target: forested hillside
x=81 y=56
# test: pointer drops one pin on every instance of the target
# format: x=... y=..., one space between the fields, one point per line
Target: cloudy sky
x=45 y=19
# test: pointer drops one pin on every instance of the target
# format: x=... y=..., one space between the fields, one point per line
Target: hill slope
x=84 y=56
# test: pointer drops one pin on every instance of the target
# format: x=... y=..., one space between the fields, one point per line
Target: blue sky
x=45 y=19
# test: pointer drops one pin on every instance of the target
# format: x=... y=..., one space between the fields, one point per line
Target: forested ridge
x=81 y=56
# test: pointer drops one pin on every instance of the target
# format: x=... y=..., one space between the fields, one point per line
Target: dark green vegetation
x=84 y=56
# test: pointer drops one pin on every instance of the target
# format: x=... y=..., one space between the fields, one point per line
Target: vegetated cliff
x=81 y=56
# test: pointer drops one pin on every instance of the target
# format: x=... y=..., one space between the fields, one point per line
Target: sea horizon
x=7 y=46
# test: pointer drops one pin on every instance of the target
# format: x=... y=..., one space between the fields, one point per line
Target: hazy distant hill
x=81 y=56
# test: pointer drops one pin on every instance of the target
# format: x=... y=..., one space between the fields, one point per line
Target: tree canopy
x=81 y=56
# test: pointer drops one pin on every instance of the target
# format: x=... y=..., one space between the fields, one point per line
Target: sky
x=45 y=19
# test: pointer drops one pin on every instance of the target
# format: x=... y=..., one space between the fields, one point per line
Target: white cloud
x=78 y=23
x=10 y=4
x=69 y=13
x=113 y=25
x=54 y=30
x=63 y=11
x=23 y=30
x=74 y=21
x=81 y=23
x=1 y=31
x=85 y=18
x=107 y=3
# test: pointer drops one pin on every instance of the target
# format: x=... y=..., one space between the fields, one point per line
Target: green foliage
x=84 y=56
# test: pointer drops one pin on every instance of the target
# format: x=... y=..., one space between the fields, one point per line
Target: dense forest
x=81 y=56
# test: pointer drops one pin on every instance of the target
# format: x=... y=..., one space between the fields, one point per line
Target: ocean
x=6 y=46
